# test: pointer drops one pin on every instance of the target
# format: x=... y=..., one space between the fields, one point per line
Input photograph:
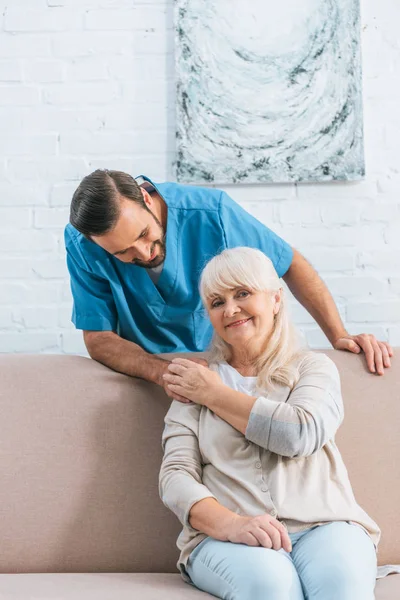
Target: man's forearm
x=309 y=289
x=125 y=357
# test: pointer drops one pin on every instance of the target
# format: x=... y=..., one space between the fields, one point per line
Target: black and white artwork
x=268 y=91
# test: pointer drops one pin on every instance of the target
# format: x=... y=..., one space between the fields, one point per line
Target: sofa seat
x=125 y=586
x=98 y=586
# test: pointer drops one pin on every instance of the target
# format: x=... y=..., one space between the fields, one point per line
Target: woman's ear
x=277 y=298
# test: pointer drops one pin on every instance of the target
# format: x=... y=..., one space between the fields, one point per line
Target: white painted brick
x=72 y=343
x=38 y=317
x=103 y=3
x=51 y=218
x=30 y=292
x=47 y=169
x=386 y=261
x=91 y=43
x=140 y=118
x=10 y=70
x=11 y=119
x=299 y=213
x=6 y=318
x=15 y=268
x=337 y=191
x=66 y=295
x=4 y=4
x=363 y=237
x=380 y=332
x=143 y=68
x=44 y=71
x=394 y=283
x=88 y=68
x=50 y=268
x=27 y=242
x=81 y=93
x=352 y=285
x=341 y=213
x=382 y=211
x=98 y=143
x=29 y=342
x=26 y=45
x=109 y=143
x=152 y=42
x=368 y=312
x=17 y=20
x=389 y=185
x=259 y=193
x=139 y=17
x=394 y=336
x=3 y=170
x=13 y=195
x=61 y=194
x=299 y=314
x=15 y=217
x=64 y=317
x=316 y=338
x=25 y=144
x=155 y=166
x=265 y=213
x=66 y=118
x=11 y=293
x=157 y=91
x=392 y=235
x=21 y=95
x=331 y=259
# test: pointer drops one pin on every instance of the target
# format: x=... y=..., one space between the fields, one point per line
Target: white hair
x=252 y=269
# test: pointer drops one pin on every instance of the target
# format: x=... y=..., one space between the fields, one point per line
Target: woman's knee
x=244 y=573
x=273 y=576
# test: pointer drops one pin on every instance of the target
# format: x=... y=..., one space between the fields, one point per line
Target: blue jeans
x=336 y=561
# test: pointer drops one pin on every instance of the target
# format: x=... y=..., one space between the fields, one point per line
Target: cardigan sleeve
x=180 y=481
x=308 y=419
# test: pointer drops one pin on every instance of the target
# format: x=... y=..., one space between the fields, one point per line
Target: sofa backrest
x=80 y=453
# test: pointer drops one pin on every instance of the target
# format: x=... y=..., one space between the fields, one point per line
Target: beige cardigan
x=287 y=464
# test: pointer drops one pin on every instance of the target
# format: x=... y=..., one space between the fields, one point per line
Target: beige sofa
x=80 y=515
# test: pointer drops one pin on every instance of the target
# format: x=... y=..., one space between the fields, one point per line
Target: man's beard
x=156 y=262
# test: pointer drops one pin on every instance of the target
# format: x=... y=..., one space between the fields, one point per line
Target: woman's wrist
x=215 y=394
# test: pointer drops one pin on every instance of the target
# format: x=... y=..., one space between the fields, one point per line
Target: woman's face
x=241 y=315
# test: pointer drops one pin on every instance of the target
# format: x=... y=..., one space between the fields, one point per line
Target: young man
x=135 y=251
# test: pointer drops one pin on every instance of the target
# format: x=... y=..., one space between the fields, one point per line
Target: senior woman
x=250 y=464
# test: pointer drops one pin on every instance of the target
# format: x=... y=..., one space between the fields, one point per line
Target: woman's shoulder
x=309 y=361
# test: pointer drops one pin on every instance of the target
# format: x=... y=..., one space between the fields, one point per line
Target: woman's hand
x=262 y=530
x=191 y=380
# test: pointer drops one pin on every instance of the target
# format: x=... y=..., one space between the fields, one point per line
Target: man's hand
x=263 y=531
x=191 y=380
x=377 y=353
x=165 y=383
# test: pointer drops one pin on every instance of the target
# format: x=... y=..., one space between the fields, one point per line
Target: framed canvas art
x=268 y=91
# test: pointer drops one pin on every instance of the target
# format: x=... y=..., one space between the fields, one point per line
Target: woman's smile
x=239 y=323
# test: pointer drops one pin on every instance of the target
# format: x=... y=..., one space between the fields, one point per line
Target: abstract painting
x=268 y=91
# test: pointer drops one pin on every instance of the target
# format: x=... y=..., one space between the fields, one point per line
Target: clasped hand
x=189 y=380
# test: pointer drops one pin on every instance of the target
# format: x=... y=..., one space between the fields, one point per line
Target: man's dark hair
x=95 y=205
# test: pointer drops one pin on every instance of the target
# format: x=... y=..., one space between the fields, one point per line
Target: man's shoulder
x=77 y=245
x=190 y=197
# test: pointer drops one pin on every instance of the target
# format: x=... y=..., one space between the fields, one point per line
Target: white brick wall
x=89 y=83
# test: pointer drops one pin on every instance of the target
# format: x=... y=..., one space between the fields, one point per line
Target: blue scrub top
x=110 y=295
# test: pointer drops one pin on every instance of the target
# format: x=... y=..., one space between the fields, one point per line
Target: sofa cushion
x=80 y=452
x=98 y=586
x=126 y=586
